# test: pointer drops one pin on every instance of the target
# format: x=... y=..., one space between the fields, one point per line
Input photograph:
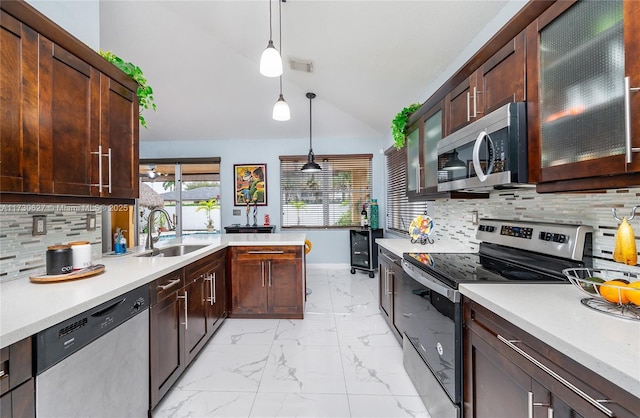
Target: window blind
x=400 y=211
x=331 y=198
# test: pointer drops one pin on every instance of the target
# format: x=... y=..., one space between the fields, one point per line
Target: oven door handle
x=431 y=283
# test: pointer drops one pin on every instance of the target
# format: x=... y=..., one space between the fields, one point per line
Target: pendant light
x=281 y=108
x=270 y=61
x=455 y=163
x=311 y=166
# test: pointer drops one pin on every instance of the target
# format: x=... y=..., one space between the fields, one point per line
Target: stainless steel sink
x=172 y=251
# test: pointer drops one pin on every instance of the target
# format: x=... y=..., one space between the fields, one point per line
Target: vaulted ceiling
x=370 y=59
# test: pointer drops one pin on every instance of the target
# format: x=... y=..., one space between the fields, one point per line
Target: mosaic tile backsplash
x=453 y=218
x=23 y=255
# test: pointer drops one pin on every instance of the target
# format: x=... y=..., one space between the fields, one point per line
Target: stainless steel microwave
x=488 y=153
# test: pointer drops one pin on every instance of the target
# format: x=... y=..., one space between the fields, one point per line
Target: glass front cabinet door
x=587 y=68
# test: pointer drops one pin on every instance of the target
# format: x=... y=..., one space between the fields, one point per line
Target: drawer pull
x=266 y=252
x=169 y=284
x=186 y=312
x=3 y=375
x=569 y=385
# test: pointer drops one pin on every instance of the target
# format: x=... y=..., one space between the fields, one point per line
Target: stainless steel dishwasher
x=96 y=364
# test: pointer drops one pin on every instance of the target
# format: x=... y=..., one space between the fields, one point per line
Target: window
x=195 y=207
x=331 y=198
x=400 y=212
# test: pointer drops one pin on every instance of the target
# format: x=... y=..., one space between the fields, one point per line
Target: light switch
x=236 y=212
x=91 y=221
x=39 y=225
x=474 y=217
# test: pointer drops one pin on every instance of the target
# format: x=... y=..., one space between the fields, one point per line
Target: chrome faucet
x=150 y=238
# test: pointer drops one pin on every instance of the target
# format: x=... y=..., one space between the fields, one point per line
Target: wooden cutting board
x=80 y=274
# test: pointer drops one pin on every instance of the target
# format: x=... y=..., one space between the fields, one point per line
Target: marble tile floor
x=340 y=361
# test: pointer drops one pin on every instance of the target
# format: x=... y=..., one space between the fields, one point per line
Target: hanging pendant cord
x=280 y=41
x=270 y=30
x=310 y=122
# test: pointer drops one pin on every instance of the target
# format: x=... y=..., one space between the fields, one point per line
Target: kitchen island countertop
x=607 y=345
x=27 y=308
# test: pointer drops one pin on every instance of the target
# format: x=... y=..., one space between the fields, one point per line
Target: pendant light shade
x=281 y=110
x=270 y=61
x=455 y=163
x=310 y=166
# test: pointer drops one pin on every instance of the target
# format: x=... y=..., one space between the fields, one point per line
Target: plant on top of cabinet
x=145 y=92
x=399 y=122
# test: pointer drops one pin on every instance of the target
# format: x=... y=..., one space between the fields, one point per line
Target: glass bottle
x=373 y=214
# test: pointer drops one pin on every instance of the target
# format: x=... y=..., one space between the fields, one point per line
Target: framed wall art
x=250 y=184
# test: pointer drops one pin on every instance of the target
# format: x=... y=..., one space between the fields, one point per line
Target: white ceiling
x=370 y=59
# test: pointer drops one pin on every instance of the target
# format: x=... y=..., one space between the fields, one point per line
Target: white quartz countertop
x=607 y=345
x=27 y=308
x=398 y=246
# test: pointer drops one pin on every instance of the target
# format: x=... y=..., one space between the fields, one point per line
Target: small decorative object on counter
x=59 y=259
x=373 y=212
x=364 y=221
x=119 y=242
x=81 y=254
x=266 y=219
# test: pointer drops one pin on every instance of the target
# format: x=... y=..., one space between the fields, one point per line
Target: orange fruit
x=633 y=294
x=612 y=291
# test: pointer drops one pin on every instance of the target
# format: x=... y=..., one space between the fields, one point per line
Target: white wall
x=329 y=246
x=80 y=18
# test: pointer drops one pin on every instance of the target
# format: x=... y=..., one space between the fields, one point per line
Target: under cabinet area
x=509 y=373
x=76 y=117
x=267 y=282
x=17 y=387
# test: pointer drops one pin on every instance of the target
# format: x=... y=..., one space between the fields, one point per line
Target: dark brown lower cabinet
x=390 y=275
x=167 y=334
x=17 y=385
x=510 y=374
x=20 y=402
x=187 y=307
x=267 y=282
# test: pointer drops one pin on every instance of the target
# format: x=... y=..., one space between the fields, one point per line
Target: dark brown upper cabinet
x=583 y=65
x=70 y=116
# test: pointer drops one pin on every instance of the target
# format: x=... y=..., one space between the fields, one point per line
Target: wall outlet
x=91 y=221
x=474 y=217
x=236 y=212
x=39 y=225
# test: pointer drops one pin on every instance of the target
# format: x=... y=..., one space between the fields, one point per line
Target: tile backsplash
x=23 y=255
x=454 y=217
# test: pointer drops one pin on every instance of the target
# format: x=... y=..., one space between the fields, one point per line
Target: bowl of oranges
x=613 y=286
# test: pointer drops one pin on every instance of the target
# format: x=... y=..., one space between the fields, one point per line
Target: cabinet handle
x=108 y=155
x=269 y=270
x=418 y=178
x=262 y=267
x=266 y=252
x=186 y=316
x=531 y=404
x=3 y=374
x=468 y=106
x=169 y=284
x=627 y=118
x=99 y=154
x=549 y=412
x=213 y=287
x=569 y=385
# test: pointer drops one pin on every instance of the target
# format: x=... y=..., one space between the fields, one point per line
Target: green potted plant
x=399 y=123
x=145 y=92
x=208 y=206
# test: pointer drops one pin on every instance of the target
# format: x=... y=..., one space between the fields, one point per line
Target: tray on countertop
x=80 y=274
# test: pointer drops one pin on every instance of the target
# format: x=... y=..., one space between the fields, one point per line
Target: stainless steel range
x=429 y=300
